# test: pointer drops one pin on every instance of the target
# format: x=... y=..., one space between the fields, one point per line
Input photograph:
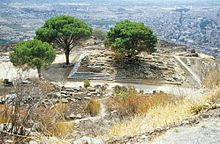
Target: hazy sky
x=100 y=2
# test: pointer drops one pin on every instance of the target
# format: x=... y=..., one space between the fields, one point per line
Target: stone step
x=90 y=76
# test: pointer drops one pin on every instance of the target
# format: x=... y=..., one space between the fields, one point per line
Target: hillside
x=168 y=85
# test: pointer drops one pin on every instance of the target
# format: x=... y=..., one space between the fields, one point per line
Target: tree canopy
x=130 y=38
x=32 y=54
x=66 y=31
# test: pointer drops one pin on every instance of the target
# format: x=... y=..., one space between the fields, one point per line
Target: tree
x=34 y=54
x=130 y=38
x=65 y=31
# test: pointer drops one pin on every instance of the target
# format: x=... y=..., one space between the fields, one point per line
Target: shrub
x=86 y=83
x=118 y=89
x=93 y=107
x=6 y=113
x=46 y=86
x=61 y=128
x=128 y=101
x=51 y=121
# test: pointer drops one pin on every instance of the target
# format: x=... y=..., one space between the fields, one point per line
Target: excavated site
x=172 y=68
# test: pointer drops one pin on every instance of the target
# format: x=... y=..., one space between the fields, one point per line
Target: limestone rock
x=73 y=116
x=91 y=89
x=64 y=100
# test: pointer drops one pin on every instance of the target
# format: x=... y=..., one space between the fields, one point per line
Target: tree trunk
x=39 y=73
x=67 y=54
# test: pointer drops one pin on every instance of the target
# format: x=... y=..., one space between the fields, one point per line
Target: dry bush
x=51 y=121
x=164 y=110
x=197 y=108
x=210 y=101
x=46 y=86
x=215 y=96
x=6 y=112
x=128 y=102
x=61 y=128
x=156 y=116
x=93 y=107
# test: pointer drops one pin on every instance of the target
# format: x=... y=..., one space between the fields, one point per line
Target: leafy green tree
x=32 y=54
x=130 y=38
x=64 y=31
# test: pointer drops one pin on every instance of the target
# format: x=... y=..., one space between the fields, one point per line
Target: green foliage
x=118 y=89
x=124 y=93
x=86 y=83
x=65 y=31
x=99 y=34
x=130 y=38
x=32 y=54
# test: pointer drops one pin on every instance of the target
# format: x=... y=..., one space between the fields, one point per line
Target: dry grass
x=215 y=96
x=46 y=86
x=61 y=128
x=52 y=121
x=207 y=102
x=129 y=102
x=164 y=110
x=6 y=114
x=212 y=77
x=157 y=116
x=93 y=107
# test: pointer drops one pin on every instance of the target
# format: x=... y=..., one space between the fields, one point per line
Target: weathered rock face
x=100 y=64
